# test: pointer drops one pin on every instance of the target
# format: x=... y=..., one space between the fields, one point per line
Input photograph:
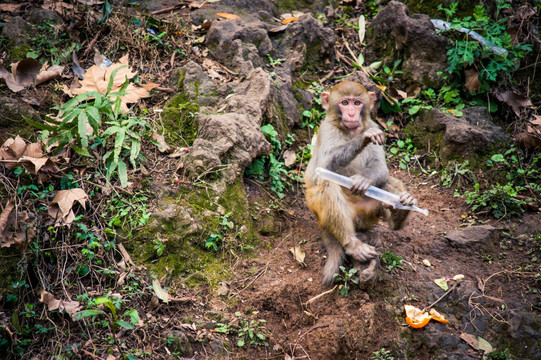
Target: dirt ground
x=306 y=320
x=303 y=325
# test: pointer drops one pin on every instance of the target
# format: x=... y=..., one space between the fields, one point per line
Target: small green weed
x=404 y=151
x=382 y=354
x=499 y=201
x=127 y=213
x=50 y=44
x=466 y=52
x=115 y=321
x=346 y=277
x=391 y=261
x=251 y=332
x=270 y=165
x=214 y=239
x=115 y=139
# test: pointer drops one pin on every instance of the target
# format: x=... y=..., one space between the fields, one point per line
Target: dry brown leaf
x=49 y=74
x=470 y=340
x=61 y=208
x=528 y=140
x=25 y=71
x=12 y=8
x=12 y=149
x=70 y=307
x=472 y=80
x=57 y=6
x=10 y=81
x=289 y=157
x=97 y=78
x=515 y=101
x=536 y=121
x=227 y=16
x=279 y=28
x=5 y=215
x=161 y=140
x=91 y=2
x=298 y=254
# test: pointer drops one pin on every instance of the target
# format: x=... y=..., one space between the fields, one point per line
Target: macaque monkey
x=350 y=143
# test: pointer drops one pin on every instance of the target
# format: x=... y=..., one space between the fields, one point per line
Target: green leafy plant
x=500 y=201
x=248 y=331
x=382 y=354
x=346 y=277
x=270 y=165
x=115 y=141
x=115 y=321
x=126 y=212
x=404 y=151
x=50 y=43
x=466 y=52
x=159 y=246
x=215 y=238
x=391 y=261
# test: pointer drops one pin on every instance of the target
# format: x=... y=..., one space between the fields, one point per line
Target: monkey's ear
x=372 y=99
x=325 y=100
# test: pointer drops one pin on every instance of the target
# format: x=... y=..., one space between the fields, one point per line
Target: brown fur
x=340 y=213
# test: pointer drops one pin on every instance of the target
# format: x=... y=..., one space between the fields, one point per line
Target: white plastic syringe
x=372 y=191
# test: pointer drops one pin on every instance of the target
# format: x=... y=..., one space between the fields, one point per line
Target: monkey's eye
x=344 y=102
x=357 y=102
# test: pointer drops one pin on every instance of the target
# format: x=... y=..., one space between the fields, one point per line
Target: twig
x=164 y=10
x=320 y=295
x=91 y=44
x=441 y=297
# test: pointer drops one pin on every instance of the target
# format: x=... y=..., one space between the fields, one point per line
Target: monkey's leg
x=335 y=258
x=336 y=214
x=396 y=218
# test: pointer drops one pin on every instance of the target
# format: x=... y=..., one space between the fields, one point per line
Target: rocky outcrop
x=414 y=38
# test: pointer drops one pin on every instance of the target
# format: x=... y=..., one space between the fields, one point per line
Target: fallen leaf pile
x=27 y=72
x=16 y=152
x=97 y=78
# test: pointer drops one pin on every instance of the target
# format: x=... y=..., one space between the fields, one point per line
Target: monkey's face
x=351 y=110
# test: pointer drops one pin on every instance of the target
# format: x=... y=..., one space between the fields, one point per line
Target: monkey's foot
x=361 y=251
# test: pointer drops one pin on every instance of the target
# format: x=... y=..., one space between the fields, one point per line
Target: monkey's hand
x=407 y=199
x=373 y=135
x=361 y=251
x=360 y=184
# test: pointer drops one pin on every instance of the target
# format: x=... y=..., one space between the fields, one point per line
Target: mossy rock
x=184 y=223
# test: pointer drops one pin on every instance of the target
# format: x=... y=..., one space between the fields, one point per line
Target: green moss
x=179 y=119
x=185 y=256
x=18 y=52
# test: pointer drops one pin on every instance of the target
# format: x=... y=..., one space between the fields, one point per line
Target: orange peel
x=417 y=318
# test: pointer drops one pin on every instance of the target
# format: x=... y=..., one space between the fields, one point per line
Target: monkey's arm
x=338 y=155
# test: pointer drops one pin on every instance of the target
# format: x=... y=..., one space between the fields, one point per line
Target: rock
x=177 y=342
x=17 y=31
x=219 y=347
x=306 y=43
x=227 y=142
x=253 y=42
x=39 y=16
x=253 y=96
x=197 y=85
x=469 y=136
x=12 y=111
x=415 y=40
x=473 y=236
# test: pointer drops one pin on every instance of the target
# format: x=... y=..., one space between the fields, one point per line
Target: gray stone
x=472 y=236
x=471 y=135
x=178 y=342
x=412 y=38
x=17 y=31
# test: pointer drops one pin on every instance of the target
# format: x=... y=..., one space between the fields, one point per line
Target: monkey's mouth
x=351 y=124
